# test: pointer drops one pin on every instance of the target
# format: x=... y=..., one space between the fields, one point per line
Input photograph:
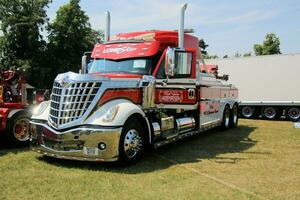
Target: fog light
x=102 y=146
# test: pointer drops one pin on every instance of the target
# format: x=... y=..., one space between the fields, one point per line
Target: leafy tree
x=21 y=41
x=70 y=35
x=97 y=36
x=270 y=46
x=247 y=54
x=203 y=46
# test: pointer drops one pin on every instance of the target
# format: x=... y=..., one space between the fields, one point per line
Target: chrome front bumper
x=76 y=144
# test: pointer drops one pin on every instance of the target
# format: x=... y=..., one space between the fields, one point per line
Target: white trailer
x=269 y=86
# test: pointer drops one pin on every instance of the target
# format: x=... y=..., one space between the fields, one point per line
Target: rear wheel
x=226 y=118
x=132 y=143
x=248 y=112
x=270 y=113
x=18 y=130
x=234 y=116
x=293 y=114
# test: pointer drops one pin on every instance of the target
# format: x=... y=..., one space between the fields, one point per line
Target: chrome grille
x=70 y=102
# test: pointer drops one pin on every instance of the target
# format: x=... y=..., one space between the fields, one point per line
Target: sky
x=227 y=26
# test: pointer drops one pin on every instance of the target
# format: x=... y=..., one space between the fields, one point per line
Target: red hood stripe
x=134 y=95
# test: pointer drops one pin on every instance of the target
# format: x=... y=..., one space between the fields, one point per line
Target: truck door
x=177 y=91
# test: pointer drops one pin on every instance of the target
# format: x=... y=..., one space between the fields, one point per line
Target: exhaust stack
x=107 y=28
x=181 y=27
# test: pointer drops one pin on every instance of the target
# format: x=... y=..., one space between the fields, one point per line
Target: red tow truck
x=137 y=90
x=14 y=112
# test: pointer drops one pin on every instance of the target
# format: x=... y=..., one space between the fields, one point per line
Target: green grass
x=257 y=160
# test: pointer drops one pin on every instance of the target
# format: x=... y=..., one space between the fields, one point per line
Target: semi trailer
x=268 y=85
x=135 y=91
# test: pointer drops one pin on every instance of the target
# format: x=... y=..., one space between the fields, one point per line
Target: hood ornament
x=65 y=81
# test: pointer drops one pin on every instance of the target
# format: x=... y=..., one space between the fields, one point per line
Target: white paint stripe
x=211 y=177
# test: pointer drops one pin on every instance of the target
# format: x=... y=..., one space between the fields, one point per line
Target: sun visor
x=116 y=51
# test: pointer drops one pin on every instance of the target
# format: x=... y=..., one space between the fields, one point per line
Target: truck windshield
x=130 y=66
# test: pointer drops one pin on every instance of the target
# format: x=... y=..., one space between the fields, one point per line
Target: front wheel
x=132 y=143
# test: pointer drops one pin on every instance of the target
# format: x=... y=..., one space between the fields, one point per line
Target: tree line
x=270 y=46
x=29 y=41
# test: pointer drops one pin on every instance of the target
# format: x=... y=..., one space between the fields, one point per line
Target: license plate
x=90 y=151
x=296 y=124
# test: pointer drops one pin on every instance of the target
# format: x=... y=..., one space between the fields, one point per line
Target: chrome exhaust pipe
x=181 y=27
x=107 y=28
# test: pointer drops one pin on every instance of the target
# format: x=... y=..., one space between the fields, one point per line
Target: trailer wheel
x=18 y=130
x=132 y=143
x=293 y=114
x=234 y=116
x=248 y=112
x=270 y=113
x=226 y=118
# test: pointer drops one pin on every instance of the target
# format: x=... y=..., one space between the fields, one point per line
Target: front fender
x=125 y=110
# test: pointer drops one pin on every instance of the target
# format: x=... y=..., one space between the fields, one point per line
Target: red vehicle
x=137 y=90
x=14 y=115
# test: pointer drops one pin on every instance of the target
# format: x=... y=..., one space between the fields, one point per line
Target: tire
x=248 y=112
x=234 y=116
x=132 y=142
x=270 y=113
x=226 y=118
x=293 y=114
x=18 y=130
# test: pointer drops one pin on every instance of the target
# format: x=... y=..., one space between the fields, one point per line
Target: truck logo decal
x=119 y=50
x=170 y=96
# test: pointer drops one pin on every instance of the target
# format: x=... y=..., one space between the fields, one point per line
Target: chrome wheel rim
x=270 y=112
x=294 y=113
x=21 y=130
x=132 y=143
x=247 y=112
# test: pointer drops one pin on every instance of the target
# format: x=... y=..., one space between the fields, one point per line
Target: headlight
x=40 y=108
x=110 y=114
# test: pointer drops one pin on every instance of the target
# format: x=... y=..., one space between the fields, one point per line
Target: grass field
x=257 y=160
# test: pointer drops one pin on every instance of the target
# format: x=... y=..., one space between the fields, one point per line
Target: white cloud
x=142 y=15
x=129 y=15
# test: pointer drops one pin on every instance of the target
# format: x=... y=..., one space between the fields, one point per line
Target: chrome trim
x=148 y=85
x=185 y=124
x=107 y=29
x=149 y=130
x=67 y=131
x=70 y=100
x=71 y=144
x=74 y=115
x=176 y=106
x=156 y=129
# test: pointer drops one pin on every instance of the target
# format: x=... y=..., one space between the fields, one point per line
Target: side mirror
x=83 y=64
x=170 y=62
